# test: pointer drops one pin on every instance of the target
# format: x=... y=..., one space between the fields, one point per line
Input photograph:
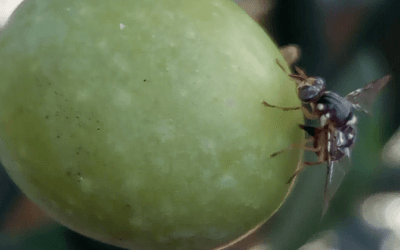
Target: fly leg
x=301 y=146
x=321 y=160
x=309 y=115
x=303 y=165
x=283 y=108
x=280 y=66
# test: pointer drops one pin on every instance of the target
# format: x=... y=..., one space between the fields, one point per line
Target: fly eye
x=308 y=93
x=319 y=83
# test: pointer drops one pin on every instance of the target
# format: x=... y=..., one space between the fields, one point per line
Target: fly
x=334 y=139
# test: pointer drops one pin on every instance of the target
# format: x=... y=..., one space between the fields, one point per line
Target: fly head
x=309 y=88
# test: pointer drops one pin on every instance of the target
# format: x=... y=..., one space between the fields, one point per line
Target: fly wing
x=363 y=98
x=327 y=199
x=336 y=171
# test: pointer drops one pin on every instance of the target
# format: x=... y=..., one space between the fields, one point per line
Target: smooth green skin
x=150 y=134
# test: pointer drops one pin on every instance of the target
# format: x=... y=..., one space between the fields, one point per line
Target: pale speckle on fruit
x=234 y=66
x=83 y=11
x=119 y=60
x=191 y=34
x=165 y=130
x=249 y=159
x=83 y=95
x=140 y=222
x=86 y=185
x=214 y=233
x=162 y=239
x=23 y=151
x=102 y=45
x=132 y=183
x=71 y=201
x=227 y=181
x=159 y=161
x=280 y=142
x=99 y=216
x=208 y=146
x=118 y=147
x=183 y=234
x=69 y=212
x=170 y=15
x=206 y=174
x=230 y=102
x=39 y=19
x=254 y=143
x=216 y=4
x=167 y=210
x=183 y=92
x=123 y=98
x=54 y=204
x=121 y=26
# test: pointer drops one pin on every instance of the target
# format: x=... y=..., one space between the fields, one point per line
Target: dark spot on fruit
x=79 y=180
x=98 y=128
x=79 y=173
x=80 y=125
x=128 y=205
x=66 y=100
x=90 y=119
x=47 y=117
x=69 y=173
x=97 y=121
x=77 y=117
x=66 y=117
x=58 y=136
x=49 y=83
x=144 y=80
x=77 y=153
x=55 y=92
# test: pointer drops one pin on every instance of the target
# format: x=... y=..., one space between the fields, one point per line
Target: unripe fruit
x=140 y=123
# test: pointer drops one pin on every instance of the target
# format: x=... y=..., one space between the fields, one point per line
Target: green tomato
x=140 y=123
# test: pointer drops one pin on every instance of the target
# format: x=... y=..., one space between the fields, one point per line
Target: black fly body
x=335 y=137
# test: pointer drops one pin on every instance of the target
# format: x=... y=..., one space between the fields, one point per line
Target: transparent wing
x=336 y=171
x=363 y=98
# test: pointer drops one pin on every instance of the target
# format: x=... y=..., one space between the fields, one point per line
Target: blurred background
x=347 y=42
